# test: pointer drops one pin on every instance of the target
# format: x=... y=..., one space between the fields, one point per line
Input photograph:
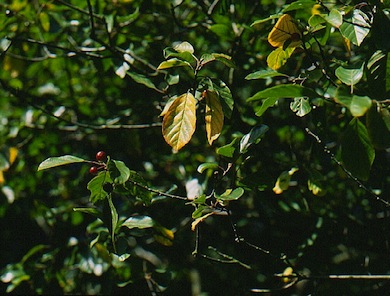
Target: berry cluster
x=100 y=157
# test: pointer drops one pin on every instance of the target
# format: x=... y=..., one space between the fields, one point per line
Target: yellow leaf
x=214 y=116
x=284 y=30
x=1 y=177
x=199 y=220
x=283 y=182
x=13 y=152
x=179 y=121
x=278 y=57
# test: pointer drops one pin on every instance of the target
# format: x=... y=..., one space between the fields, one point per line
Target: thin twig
x=349 y=174
x=157 y=191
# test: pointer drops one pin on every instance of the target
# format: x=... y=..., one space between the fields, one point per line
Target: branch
x=157 y=191
x=352 y=177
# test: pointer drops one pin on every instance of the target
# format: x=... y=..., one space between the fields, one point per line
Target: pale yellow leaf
x=179 y=121
x=214 y=116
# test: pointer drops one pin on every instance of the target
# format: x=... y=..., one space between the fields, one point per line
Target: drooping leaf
x=121 y=173
x=253 y=137
x=350 y=76
x=228 y=149
x=283 y=181
x=357 y=152
x=179 y=121
x=142 y=79
x=357 y=28
x=88 y=210
x=300 y=106
x=95 y=186
x=357 y=105
x=213 y=116
x=139 y=222
x=378 y=127
x=114 y=219
x=269 y=102
x=284 y=91
x=58 y=161
x=207 y=166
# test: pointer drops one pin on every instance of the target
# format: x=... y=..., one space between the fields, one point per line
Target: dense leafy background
x=82 y=76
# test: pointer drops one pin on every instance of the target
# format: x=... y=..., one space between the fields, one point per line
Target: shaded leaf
x=142 y=79
x=269 y=102
x=207 y=166
x=350 y=76
x=179 y=121
x=213 y=116
x=228 y=150
x=357 y=153
x=264 y=74
x=357 y=105
x=58 y=161
x=378 y=127
x=95 y=185
x=230 y=194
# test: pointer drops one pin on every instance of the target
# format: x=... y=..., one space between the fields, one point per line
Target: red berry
x=93 y=170
x=101 y=156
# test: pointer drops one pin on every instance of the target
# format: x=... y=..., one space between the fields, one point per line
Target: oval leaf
x=213 y=116
x=179 y=121
x=357 y=152
x=284 y=91
x=57 y=161
x=139 y=222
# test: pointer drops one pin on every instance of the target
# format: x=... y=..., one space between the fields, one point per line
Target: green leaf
x=92 y=211
x=228 y=150
x=357 y=28
x=184 y=56
x=357 y=153
x=179 y=121
x=226 y=97
x=207 y=166
x=334 y=18
x=174 y=62
x=230 y=194
x=214 y=118
x=283 y=181
x=253 y=137
x=350 y=76
x=300 y=106
x=96 y=186
x=357 y=105
x=378 y=127
x=278 y=57
x=299 y=5
x=264 y=74
x=284 y=91
x=223 y=31
x=141 y=79
x=58 y=161
x=122 y=173
x=114 y=219
x=269 y=102
x=376 y=74
x=139 y=222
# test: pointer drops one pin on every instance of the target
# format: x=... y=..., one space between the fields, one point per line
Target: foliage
x=245 y=141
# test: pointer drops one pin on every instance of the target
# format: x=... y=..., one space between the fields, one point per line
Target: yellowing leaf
x=284 y=30
x=2 y=177
x=13 y=152
x=278 y=57
x=179 y=121
x=199 y=220
x=214 y=116
x=283 y=182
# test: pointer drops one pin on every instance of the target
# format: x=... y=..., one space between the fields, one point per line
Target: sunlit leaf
x=283 y=181
x=184 y=47
x=139 y=222
x=207 y=166
x=357 y=152
x=300 y=106
x=229 y=149
x=174 y=62
x=334 y=18
x=278 y=57
x=44 y=18
x=199 y=220
x=122 y=173
x=284 y=91
x=300 y=4
x=357 y=105
x=350 y=76
x=179 y=121
x=357 y=28
x=141 y=79
x=231 y=194
x=253 y=137
x=58 y=161
x=269 y=102
x=213 y=116
x=285 y=30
